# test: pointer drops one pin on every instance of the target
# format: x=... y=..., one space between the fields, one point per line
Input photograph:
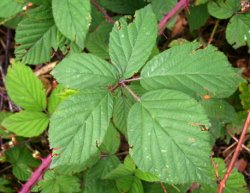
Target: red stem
x=235 y=156
x=178 y=7
x=37 y=175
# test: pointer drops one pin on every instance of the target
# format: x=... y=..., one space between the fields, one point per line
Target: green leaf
x=80 y=71
x=122 y=6
x=146 y=176
x=130 y=45
x=197 y=16
x=220 y=113
x=4 y=133
x=55 y=98
x=195 y=71
x=245 y=95
x=97 y=41
x=168 y=122
x=237 y=32
x=223 y=9
x=27 y=123
x=93 y=182
x=129 y=184
x=111 y=141
x=56 y=183
x=35 y=36
x=235 y=182
x=4 y=186
x=40 y=2
x=22 y=162
x=161 y=7
x=10 y=8
x=84 y=119
x=24 y=88
x=122 y=105
x=72 y=19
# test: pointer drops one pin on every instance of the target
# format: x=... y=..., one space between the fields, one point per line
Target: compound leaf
x=238 y=30
x=35 y=36
x=27 y=123
x=80 y=71
x=24 y=88
x=197 y=72
x=168 y=122
x=130 y=45
x=72 y=19
x=84 y=119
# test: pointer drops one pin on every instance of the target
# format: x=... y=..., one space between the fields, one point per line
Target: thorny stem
x=103 y=11
x=235 y=156
x=136 y=97
x=213 y=32
x=37 y=175
x=178 y=7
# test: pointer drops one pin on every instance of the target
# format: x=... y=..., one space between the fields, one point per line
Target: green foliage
x=56 y=182
x=24 y=88
x=205 y=71
x=72 y=19
x=22 y=162
x=235 y=182
x=130 y=45
x=125 y=114
x=4 y=186
x=197 y=16
x=85 y=71
x=10 y=8
x=237 y=32
x=223 y=9
x=161 y=131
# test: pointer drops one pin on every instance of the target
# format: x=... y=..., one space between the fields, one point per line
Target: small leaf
x=235 y=182
x=93 y=182
x=223 y=9
x=146 y=176
x=238 y=30
x=22 y=162
x=168 y=122
x=111 y=141
x=10 y=8
x=195 y=71
x=197 y=16
x=80 y=71
x=130 y=45
x=24 y=88
x=84 y=119
x=97 y=41
x=57 y=183
x=27 y=123
x=129 y=184
x=35 y=36
x=55 y=98
x=72 y=19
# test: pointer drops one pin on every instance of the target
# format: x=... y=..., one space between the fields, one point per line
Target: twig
x=37 y=175
x=132 y=79
x=243 y=146
x=163 y=188
x=235 y=156
x=137 y=98
x=213 y=32
x=103 y=11
x=46 y=69
x=178 y=7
